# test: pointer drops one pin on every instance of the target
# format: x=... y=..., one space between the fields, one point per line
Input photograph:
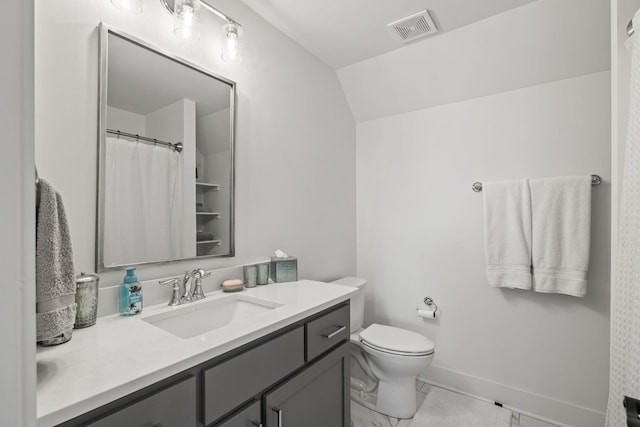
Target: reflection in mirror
x=166 y=157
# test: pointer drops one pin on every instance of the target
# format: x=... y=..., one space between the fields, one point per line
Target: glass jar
x=86 y=300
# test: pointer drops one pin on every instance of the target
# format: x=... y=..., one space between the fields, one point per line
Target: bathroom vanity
x=287 y=366
x=274 y=355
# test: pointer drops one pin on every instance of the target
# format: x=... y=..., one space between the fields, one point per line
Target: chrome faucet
x=186 y=292
x=196 y=283
x=175 y=291
x=181 y=293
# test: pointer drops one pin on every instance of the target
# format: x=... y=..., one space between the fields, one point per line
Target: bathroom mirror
x=166 y=157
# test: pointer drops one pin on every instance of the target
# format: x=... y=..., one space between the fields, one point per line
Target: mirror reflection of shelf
x=207 y=247
x=209 y=242
x=213 y=215
x=205 y=186
x=208 y=199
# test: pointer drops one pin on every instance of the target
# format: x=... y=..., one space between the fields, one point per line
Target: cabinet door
x=175 y=406
x=247 y=417
x=239 y=379
x=316 y=397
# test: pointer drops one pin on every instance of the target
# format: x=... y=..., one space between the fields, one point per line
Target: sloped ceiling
x=343 y=32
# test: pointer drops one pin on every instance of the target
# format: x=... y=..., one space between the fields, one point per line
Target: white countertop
x=120 y=355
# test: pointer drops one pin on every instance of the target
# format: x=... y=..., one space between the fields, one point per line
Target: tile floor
x=365 y=417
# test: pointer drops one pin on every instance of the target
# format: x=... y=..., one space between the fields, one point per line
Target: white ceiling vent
x=413 y=27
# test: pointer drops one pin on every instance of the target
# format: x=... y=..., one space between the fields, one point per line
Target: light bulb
x=232 y=47
x=231 y=44
x=133 y=7
x=185 y=17
x=188 y=16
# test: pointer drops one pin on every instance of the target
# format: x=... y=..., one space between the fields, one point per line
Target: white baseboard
x=543 y=408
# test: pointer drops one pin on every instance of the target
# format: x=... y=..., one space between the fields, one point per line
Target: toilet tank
x=357 y=300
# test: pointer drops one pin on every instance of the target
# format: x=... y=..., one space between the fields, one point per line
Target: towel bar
x=595 y=181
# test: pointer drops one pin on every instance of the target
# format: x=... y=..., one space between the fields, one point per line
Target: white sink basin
x=197 y=318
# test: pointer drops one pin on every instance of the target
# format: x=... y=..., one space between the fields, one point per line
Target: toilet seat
x=397 y=341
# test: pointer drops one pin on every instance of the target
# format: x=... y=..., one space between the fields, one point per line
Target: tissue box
x=284 y=269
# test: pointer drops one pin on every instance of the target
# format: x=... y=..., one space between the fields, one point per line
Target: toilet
x=390 y=359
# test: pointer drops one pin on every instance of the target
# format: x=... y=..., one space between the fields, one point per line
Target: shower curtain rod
x=595 y=181
x=177 y=146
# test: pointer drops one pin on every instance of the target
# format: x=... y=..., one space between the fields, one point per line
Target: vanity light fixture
x=185 y=17
x=185 y=13
x=133 y=7
x=231 y=47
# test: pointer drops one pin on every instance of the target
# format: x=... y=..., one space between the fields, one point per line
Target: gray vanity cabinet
x=297 y=376
x=316 y=397
x=174 y=406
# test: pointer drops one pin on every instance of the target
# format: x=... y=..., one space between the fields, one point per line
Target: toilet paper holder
x=432 y=311
x=428 y=301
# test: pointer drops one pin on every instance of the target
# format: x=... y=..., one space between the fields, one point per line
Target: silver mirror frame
x=104 y=30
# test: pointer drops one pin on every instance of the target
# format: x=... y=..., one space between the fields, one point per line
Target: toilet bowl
x=393 y=356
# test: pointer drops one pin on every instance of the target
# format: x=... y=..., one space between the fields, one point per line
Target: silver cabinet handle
x=279 y=413
x=334 y=333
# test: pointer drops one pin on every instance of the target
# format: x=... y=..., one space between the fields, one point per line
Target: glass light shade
x=185 y=17
x=231 y=43
x=133 y=7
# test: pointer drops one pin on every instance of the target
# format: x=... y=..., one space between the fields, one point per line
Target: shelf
x=215 y=215
x=209 y=242
x=207 y=187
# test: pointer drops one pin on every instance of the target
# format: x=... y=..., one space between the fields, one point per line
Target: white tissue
x=429 y=314
x=281 y=254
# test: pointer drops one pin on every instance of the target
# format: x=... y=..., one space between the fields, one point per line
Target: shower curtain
x=625 y=291
x=143 y=203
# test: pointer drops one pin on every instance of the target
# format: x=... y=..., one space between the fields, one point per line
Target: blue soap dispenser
x=130 y=301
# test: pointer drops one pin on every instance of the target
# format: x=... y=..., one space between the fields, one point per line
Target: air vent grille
x=413 y=27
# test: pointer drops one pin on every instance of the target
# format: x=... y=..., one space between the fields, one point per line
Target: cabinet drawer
x=237 y=380
x=174 y=406
x=247 y=417
x=327 y=331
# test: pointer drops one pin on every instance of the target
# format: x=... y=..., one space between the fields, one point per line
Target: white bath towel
x=507 y=233
x=561 y=220
x=55 y=278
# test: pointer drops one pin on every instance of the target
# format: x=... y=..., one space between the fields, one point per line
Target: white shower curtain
x=143 y=203
x=625 y=291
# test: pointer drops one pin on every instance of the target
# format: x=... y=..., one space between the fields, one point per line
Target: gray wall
x=17 y=233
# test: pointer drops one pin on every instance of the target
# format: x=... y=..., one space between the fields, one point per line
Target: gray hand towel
x=55 y=276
